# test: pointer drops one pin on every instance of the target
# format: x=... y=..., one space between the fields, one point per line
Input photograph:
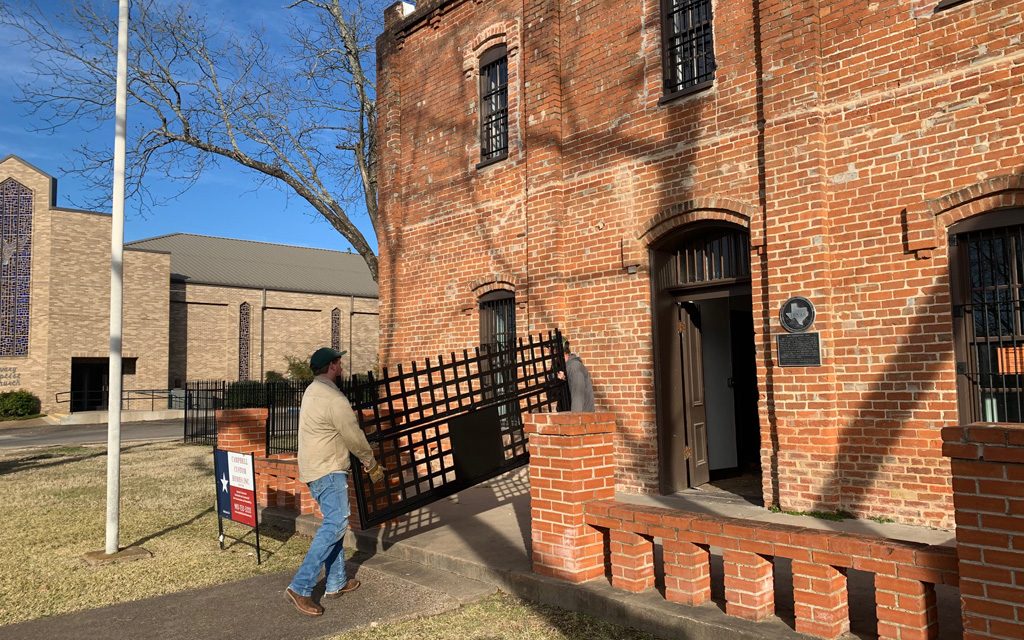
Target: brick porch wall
x=574 y=513
x=988 y=495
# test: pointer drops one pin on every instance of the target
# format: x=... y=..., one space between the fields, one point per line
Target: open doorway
x=706 y=385
x=90 y=379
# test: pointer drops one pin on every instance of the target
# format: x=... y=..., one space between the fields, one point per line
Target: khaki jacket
x=328 y=432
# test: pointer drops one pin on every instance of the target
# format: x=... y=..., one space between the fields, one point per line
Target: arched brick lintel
x=684 y=213
x=928 y=220
x=506 y=33
x=499 y=282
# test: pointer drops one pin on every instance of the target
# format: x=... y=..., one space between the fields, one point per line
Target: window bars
x=689 y=56
x=718 y=254
x=493 y=105
x=989 y=323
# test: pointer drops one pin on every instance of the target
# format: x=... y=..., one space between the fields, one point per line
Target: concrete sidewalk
x=256 y=609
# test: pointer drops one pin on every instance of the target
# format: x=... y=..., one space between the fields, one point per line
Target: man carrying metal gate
x=328 y=433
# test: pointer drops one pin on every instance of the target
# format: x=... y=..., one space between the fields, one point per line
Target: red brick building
x=658 y=178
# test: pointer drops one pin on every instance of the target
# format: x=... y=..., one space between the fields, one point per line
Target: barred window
x=493 y=105
x=688 y=58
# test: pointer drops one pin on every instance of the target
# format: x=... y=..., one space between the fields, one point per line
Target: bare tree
x=297 y=110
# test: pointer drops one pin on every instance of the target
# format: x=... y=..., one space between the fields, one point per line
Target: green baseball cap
x=323 y=357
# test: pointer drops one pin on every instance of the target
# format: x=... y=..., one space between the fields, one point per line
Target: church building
x=195 y=307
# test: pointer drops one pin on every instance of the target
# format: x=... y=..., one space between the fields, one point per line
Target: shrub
x=298 y=369
x=273 y=376
x=18 y=404
x=245 y=394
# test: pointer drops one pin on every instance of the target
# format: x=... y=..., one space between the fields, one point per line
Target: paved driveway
x=50 y=435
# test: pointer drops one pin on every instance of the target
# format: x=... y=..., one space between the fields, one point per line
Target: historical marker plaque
x=798 y=349
x=797 y=314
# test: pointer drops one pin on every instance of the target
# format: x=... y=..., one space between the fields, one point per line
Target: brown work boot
x=304 y=604
x=351 y=585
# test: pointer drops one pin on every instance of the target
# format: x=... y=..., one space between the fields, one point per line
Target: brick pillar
x=687 y=572
x=749 y=585
x=632 y=558
x=820 y=600
x=988 y=499
x=242 y=430
x=803 y=450
x=572 y=461
x=906 y=609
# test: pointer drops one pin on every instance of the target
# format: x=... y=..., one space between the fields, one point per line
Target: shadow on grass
x=248 y=537
x=170 y=528
x=57 y=456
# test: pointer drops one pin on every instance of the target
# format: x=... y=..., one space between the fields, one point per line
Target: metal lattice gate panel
x=446 y=425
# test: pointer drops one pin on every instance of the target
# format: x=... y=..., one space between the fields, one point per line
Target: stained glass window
x=15 y=267
x=244 y=316
x=336 y=329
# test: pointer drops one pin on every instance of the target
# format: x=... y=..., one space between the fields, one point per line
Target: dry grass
x=53 y=510
x=499 y=617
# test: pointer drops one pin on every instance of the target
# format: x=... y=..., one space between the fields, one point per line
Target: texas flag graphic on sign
x=236 y=495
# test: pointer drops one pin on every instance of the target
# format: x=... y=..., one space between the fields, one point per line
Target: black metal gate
x=444 y=426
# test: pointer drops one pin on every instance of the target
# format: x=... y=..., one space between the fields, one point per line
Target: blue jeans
x=331 y=493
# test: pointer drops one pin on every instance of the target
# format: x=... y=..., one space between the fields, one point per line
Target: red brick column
x=906 y=609
x=632 y=557
x=572 y=461
x=988 y=498
x=820 y=600
x=687 y=572
x=242 y=430
x=749 y=585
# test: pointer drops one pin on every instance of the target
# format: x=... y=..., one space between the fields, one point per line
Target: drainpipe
x=263 y=313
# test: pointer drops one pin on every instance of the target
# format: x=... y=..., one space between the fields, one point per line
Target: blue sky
x=226 y=202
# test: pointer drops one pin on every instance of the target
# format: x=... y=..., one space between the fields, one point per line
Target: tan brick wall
x=870 y=109
x=29 y=372
x=292 y=324
x=71 y=301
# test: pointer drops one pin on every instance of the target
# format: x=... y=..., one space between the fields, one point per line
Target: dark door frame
x=674 y=470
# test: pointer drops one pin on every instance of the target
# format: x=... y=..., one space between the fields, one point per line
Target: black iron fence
x=442 y=426
x=281 y=399
x=438 y=427
x=131 y=399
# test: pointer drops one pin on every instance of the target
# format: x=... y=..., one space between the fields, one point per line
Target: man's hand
x=376 y=473
x=561 y=375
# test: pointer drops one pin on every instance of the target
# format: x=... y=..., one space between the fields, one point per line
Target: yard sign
x=236 y=492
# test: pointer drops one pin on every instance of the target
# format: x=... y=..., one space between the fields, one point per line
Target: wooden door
x=695 y=409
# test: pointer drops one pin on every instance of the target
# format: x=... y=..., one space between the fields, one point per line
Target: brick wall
x=874 y=116
x=70 y=300
x=574 y=516
x=988 y=492
x=205 y=319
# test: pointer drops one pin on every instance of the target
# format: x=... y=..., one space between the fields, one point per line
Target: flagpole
x=117 y=288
